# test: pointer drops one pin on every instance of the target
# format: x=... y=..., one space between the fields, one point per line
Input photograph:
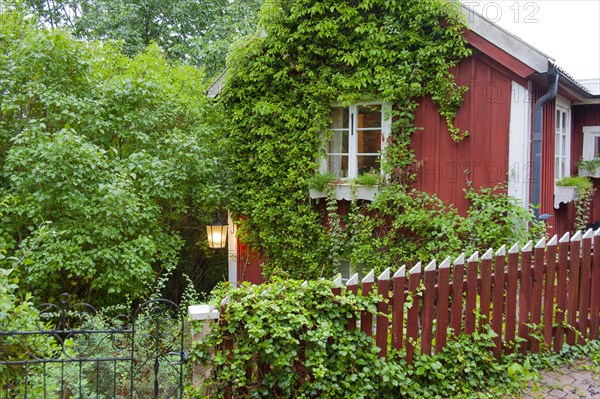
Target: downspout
x=552 y=76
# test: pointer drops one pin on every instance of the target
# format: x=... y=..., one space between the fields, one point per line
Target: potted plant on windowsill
x=365 y=186
x=589 y=167
x=569 y=188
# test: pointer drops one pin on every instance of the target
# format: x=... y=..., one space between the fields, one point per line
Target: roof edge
x=505 y=40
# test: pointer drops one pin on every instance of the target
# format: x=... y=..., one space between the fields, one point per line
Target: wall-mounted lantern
x=216 y=232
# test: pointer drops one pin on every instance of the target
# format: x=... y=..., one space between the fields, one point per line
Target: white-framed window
x=347 y=270
x=358 y=136
x=591 y=142
x=562 y=139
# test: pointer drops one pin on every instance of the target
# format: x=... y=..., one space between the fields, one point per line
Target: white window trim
x=519 y=142
x=386 y=128
x=565 y=105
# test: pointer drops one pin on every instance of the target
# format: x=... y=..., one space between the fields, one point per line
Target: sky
x=566 y=30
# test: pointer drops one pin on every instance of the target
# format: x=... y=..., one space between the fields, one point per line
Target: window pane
x=345 y=270
x=597 y=147
x=369 y=141
x=338 y=143
x=369 y=116
x=338 y=165
x=563 y=122
x=340 y=118
x=557 y=122
x=556 y=169
x=368 y=163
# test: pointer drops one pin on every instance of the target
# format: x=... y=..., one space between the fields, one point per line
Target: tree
x=113 y=151
x=198 y=32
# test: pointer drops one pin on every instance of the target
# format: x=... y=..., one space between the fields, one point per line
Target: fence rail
x=544 y=294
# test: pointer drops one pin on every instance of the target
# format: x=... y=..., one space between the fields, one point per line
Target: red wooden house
x=536 y=123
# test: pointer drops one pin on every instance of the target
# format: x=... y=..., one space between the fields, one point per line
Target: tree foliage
x=111 y=151
x=198 y=32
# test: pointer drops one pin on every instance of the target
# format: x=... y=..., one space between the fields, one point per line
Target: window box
x=348 y=192
x=590 y=173
x=564 y=194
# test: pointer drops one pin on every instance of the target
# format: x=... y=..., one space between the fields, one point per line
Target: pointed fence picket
x=533 y=298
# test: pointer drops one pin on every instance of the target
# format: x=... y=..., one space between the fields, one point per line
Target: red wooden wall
x=483 y=156
x=248 y=264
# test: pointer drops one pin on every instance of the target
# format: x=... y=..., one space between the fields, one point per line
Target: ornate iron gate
x=74 y=353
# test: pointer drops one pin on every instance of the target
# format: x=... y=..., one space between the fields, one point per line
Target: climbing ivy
x=277 y=98
x=288 y=339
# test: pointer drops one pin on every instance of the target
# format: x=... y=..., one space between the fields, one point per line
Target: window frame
x=562 y=159
x=353 y=154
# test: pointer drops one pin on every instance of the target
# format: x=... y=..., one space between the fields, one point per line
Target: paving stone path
x=571 y=381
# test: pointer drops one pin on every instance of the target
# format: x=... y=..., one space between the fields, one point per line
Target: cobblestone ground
x=574 y=381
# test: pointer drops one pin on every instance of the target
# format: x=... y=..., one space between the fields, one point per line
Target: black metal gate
x=75 y=353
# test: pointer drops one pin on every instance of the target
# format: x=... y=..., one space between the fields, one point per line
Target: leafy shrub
x=113 y=151
x=289 y=340
x=495 y=219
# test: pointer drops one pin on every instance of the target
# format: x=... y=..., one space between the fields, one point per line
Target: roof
x=529 y=55
x=592 y=85
x=505 y=40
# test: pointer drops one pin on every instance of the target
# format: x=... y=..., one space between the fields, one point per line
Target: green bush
x=113 y=151
x=293 y=340
x=290 y=340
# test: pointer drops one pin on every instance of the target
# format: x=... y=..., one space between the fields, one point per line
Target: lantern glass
x=217 y=235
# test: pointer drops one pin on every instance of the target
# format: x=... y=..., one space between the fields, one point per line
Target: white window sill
x=564 y=194
x=348 y=192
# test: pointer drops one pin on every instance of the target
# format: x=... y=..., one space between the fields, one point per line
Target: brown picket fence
x=546 y=294
x=533 y=297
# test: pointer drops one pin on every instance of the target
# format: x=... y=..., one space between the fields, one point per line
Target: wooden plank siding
x=248 y=264
x=482 y=158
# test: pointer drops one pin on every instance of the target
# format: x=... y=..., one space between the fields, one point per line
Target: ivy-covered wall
x=276 y=104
